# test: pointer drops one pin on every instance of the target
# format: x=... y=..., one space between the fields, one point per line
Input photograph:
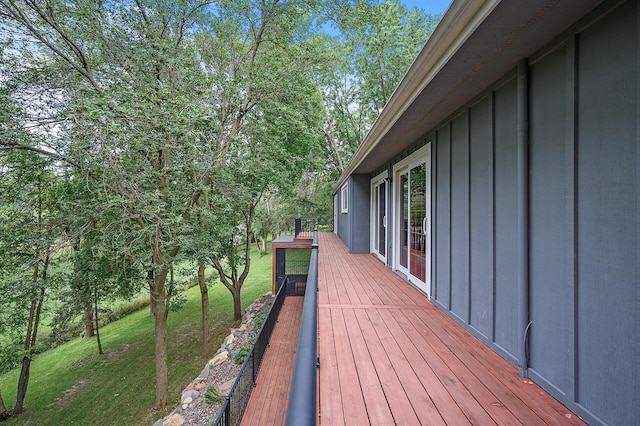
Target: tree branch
x=14 y=12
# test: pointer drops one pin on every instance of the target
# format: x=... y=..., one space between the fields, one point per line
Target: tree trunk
x=97 y=328
x=34 y=313
x=23 y=382
x=159 y=307
x=162 y=373
x=4 y=414
x=204 y=297
x=237 y=306
x=89 y=331
x=30 y=338
x=30 y=341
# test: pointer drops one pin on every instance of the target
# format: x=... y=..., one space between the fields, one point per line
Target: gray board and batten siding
x=353 y=225
x=582 y=218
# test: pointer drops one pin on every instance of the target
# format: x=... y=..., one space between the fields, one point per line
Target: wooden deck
x=268 y=402
x=389 y=356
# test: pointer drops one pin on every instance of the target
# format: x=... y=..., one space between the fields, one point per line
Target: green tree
x=98 y=272
x=146 y=99
x=377 y=43
x=230 y=253
x=268 y=217
x=277 y=141
x=125 y=89
x=29 y=229
x=253 y=52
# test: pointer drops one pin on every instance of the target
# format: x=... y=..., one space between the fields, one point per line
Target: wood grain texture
x=388 y=356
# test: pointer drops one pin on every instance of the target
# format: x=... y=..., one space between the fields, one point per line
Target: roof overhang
x=476 y=43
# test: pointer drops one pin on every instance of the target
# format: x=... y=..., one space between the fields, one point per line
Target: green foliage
x=213 y=396
x=360 y=69
x=127 y=368
x=177 y=302
x=244 y=351
x=166 y=129
x=259 y=319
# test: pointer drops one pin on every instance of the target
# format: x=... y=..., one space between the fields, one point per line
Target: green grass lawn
x=73 y=385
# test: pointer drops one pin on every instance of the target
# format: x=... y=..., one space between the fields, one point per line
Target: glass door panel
x=418 y=208
x=375 y=229
x=378 y=231
x=404 y=223
x=382 y=219
x=412 y=202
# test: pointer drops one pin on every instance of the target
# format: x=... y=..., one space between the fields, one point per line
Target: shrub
x=260 y=318
x=213 y=395
x=243 y=353
x=123 y=310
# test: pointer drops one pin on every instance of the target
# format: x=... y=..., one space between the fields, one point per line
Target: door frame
x=375 y=183
x=421 y=156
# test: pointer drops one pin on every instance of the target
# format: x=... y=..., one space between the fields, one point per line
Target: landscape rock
x=174 y=420
x=226 y=386
x=205 y=372
x=230 y=339
x=219 y=359
x=186 y=395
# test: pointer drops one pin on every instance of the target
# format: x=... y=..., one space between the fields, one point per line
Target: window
x=344 y=199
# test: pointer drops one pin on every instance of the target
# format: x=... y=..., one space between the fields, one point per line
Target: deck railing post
x=227 y=412
x=298 y=226
x=253 y=370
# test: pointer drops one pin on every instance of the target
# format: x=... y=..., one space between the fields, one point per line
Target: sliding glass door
x=413 y=201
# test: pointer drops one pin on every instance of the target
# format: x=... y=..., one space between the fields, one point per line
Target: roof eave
x=459 y=22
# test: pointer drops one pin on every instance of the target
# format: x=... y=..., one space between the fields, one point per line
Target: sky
x=431 y=7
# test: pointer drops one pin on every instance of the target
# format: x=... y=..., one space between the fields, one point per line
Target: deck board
x=268 y=402
x=390 y=356
x=377 y=408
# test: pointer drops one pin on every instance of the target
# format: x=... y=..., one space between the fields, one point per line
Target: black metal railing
x=296 y=266
x=302 y=408
x=236 y=402
x=304 y=227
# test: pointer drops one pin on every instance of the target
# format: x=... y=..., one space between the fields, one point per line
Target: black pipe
x=523 y=214
x=302 y=407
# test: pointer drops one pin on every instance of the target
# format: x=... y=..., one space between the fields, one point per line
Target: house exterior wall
x=360 y=217
x=584 y=248
x=475 y=226
x=581 y=278
x=353 y=225
x=341 y=222
x=583 y=219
